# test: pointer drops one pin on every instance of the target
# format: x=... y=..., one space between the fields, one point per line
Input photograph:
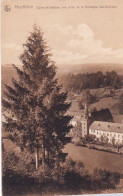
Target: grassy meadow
x=95 y=159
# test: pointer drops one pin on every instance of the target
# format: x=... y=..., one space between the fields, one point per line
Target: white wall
x=110 y=135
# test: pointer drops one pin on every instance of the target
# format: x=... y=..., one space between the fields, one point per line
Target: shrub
x=71 y=176
x=90 y=138
x=105 y=179
x=78 y=143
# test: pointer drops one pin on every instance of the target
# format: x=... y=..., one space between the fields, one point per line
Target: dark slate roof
x=102 y=115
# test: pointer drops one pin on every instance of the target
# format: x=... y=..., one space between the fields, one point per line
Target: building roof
x=107 y=126
x=102 y=115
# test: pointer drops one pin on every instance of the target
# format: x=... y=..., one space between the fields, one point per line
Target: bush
x=78 y=143
x=18 y=169
x=77 y=177
x=105 y=179
x=69 y=176
x=89 y=138
x=74 y=174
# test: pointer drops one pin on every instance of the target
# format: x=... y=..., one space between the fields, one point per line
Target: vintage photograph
x=62 y=97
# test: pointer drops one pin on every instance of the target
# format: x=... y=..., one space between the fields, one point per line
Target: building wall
x=76 y=129
x=113 y=137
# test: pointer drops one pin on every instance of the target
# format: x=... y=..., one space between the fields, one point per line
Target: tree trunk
x=36 y=158
x=48 y=156
x=43 y=156
x=43 y=153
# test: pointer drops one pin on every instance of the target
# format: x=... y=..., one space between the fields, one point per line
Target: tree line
x=77 y=83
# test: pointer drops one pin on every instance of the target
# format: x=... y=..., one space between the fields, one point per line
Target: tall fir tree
x=35 y=105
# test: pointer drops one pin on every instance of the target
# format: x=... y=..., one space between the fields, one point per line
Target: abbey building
x=100 y=124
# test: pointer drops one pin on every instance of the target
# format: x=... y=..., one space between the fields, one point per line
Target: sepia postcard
x=62 y=97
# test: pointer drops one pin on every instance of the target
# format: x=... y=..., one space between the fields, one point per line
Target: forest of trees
x=77 y=83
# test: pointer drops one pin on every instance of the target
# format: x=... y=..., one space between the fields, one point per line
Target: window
x=107 y=134
x=118 y=135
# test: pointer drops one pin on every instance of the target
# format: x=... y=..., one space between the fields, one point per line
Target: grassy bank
x=93 y=158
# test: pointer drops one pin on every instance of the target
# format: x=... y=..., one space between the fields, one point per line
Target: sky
x=74 y=35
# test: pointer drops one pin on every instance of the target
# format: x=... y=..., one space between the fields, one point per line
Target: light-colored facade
x=75 y=121
x=107 y=132
x=84 y=126
x=85 y=122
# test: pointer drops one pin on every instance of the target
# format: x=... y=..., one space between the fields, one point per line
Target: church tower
x=85 y=122
x=86 y=111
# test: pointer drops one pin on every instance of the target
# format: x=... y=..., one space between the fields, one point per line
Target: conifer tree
x=35 y=105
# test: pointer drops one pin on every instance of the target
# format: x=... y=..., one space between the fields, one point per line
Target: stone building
x=100 y=124
x=88 y=118
x=85 y=122
x=107 y=132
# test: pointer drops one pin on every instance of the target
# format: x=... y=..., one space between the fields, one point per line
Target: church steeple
x=84 y=122
x=86 y=111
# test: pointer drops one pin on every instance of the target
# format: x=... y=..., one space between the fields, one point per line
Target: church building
x=100 y=124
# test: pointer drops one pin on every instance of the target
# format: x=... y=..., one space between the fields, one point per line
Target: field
x=95 y=159
x=91 y=158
